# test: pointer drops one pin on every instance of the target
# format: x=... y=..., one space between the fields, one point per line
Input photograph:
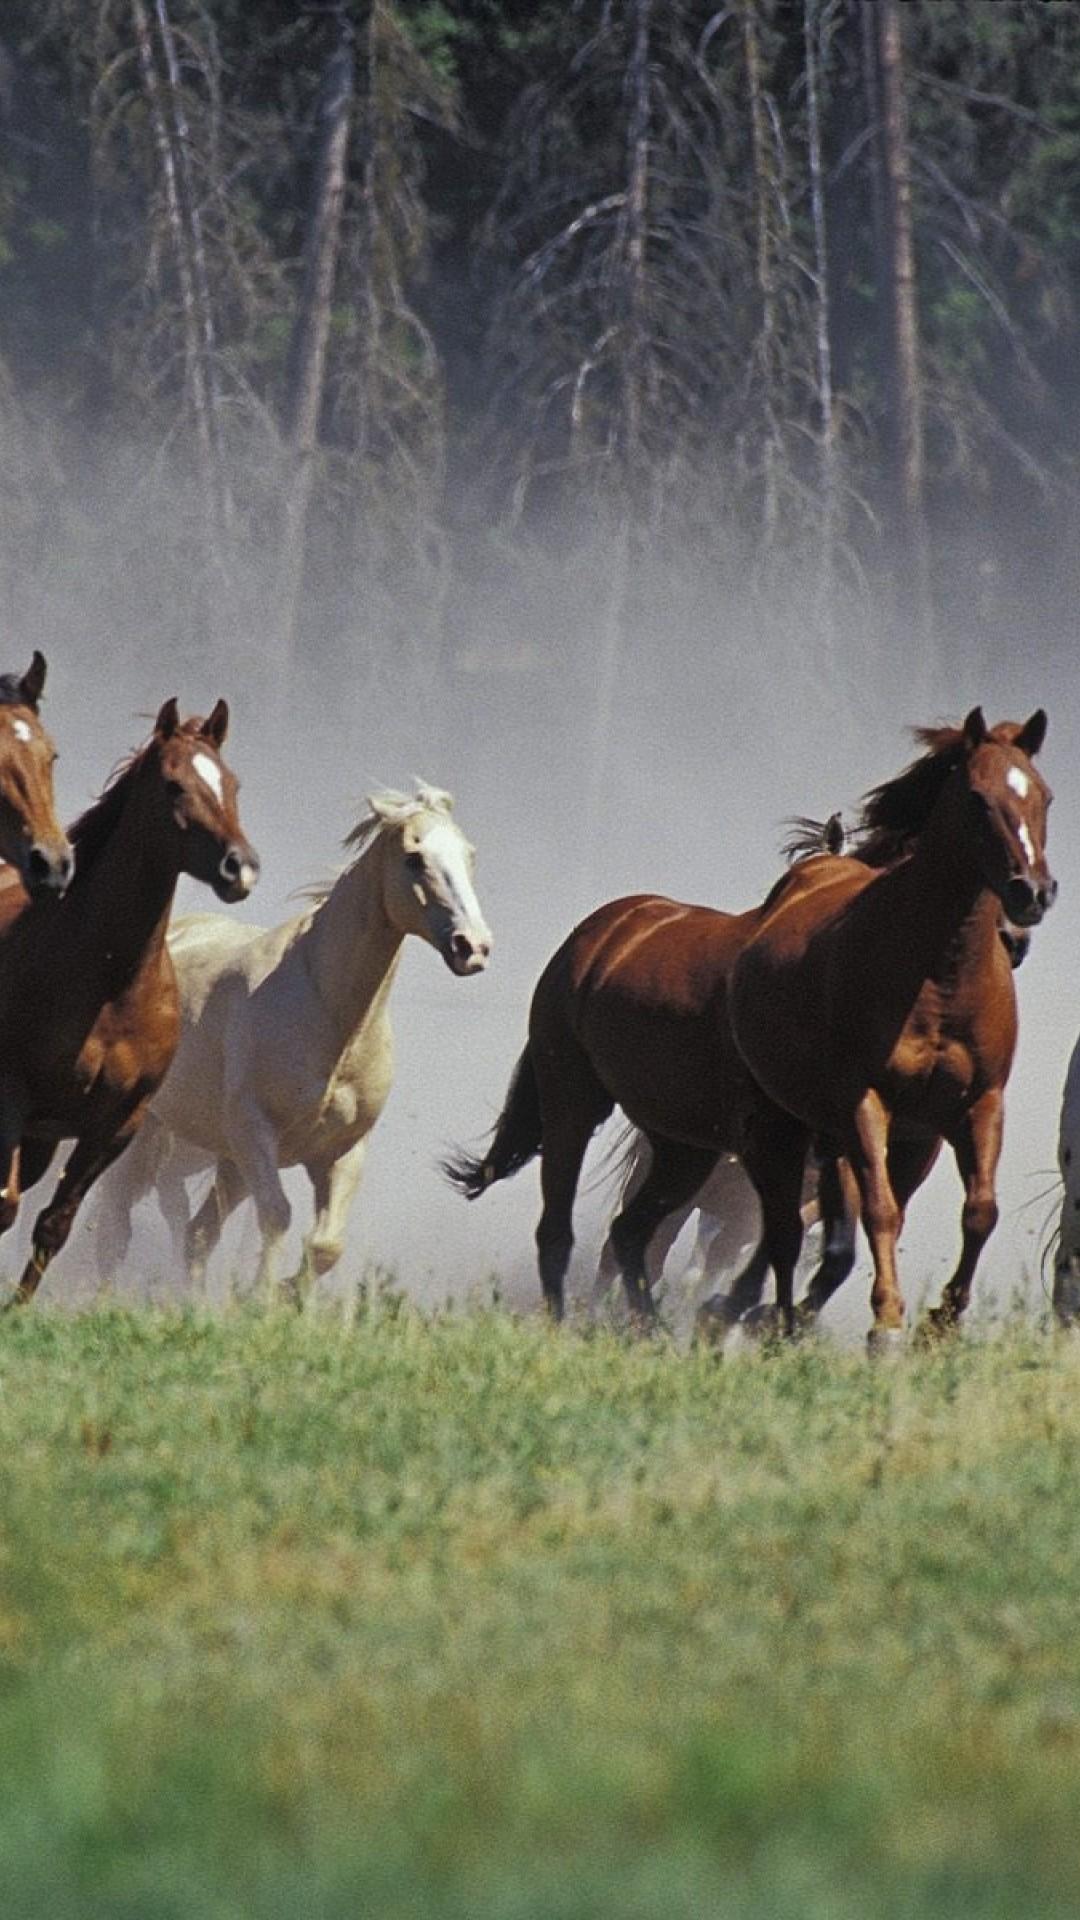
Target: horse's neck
x=351 y=946
x=934 y=909
x=119 y=909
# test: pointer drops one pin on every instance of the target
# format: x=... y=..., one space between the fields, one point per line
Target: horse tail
x=516 y=1138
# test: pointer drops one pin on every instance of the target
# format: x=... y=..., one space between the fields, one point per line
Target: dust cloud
x=722 y=727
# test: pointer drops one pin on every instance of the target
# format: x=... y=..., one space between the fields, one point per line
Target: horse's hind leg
x=607 y=1268
x=565 y=1142
x=89 y=1158
x=227 y=1189
x=674 y=1178
x=573 y=1103
x=131 y=1179
x=838 y=1201
x=775 y=1159
x=977 y=1147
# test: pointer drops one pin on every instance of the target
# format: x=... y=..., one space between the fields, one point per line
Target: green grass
x=471 y=1620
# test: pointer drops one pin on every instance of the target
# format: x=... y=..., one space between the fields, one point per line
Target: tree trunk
x=763 y=189
x=897 y=293
x=631 y=479
x=306 y=372
x=826 y=609
x=194 y=356
x=204 y=308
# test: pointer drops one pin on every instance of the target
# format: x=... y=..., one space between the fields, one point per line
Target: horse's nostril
x=49 y=871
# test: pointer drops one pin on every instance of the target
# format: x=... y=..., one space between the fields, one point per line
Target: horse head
x=1010 y=801
x=31 y=837
x=428 y=867
x=201 y=795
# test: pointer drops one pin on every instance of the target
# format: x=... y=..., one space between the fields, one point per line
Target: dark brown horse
x=878 y=1009
x=89 y=1016
x=31 y=837
x=632 y=1010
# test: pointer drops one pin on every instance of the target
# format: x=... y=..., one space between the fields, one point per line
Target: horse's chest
x=342 y=1104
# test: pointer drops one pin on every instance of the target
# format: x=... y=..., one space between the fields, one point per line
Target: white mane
x=386 y=807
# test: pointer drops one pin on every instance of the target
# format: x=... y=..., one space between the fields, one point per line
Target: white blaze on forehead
x=21 y=731
x=446 y=850
x=209 y=771
x=1025 y=840
x=1018 y=781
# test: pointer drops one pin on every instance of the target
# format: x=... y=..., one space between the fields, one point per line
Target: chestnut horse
x=878 y=1009
x=31 y=837
x=632 y=1010
x=89 y=1016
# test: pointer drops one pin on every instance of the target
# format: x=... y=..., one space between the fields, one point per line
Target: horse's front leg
x=335 y=1183
x=253 y=1143
x=882 y=1216
x=977 y=1146
x=90 y=1157
x=11 y=1127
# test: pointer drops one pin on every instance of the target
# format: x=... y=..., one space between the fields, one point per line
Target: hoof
x=714 y=1320
x=937 y=1325
x=763 y=1323
x=886 y=1343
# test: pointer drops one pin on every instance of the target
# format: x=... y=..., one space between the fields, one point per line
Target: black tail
x=515 y=1140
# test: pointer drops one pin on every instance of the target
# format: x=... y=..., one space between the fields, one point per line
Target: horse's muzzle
x=467 y=953
x=48 y=870
x=237 y=874
x=1025 y=903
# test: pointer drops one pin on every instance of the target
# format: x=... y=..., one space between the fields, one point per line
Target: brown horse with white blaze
x=31 y=837
x=879 y=1011
x=89 y=1017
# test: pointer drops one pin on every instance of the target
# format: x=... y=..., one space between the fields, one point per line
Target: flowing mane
x=894 y=814
x=94 y=827
x=97 y=823
x=387 y=807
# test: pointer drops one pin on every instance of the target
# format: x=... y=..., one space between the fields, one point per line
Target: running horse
x=286 y=1048
x=877 y=1009
x=89 y=1016
x=32 y=840
x=632 y=1011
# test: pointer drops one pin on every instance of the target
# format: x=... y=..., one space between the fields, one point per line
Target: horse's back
x=639 y=989
x=644 y=948
x=213 y=953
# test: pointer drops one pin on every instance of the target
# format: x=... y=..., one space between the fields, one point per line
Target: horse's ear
x=168 y=720
x=975 y=728
x=217 y=726
x=1032 y=733
x=32 y=683
x=436 y=798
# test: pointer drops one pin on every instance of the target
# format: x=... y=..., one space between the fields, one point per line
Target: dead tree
x=162 y=99
x=306 y=371
x=897 y=291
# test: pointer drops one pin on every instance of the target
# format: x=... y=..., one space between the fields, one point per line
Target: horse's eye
x=174 y=789
x=415 y=861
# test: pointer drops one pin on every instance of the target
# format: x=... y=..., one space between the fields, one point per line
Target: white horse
x=286 y=1052
x=728 y=1229
x=727 y=1244
x=1067 y=1253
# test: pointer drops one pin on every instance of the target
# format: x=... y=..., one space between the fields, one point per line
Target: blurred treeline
x=411 y=331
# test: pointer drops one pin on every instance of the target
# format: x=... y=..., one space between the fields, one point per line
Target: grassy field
x=468 y=1619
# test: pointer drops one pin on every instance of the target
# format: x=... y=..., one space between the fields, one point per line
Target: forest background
x=411 y=337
